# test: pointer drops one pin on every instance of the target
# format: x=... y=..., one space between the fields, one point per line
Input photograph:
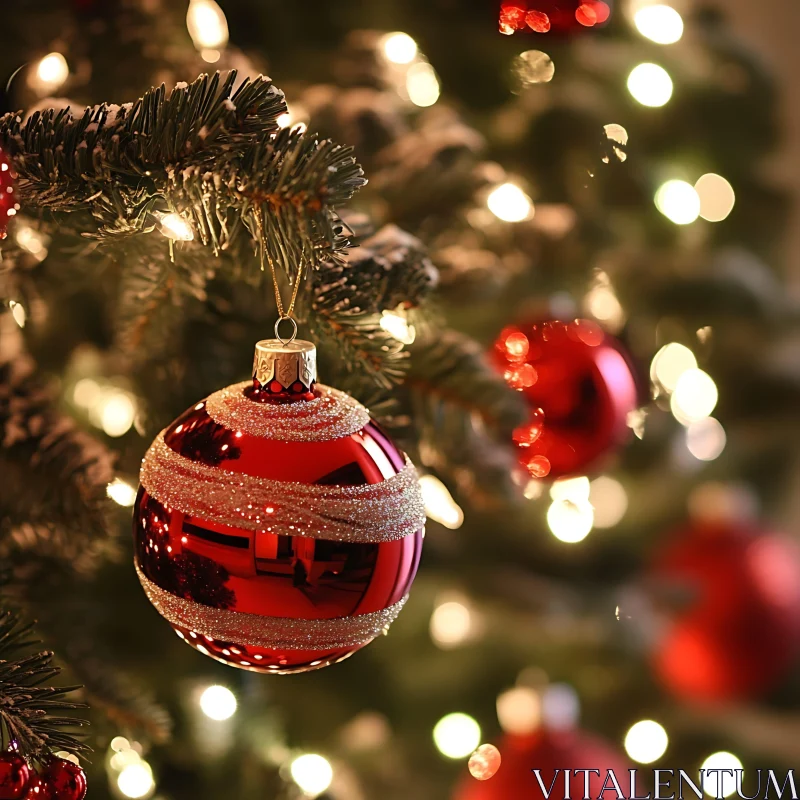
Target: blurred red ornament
x=64 y=780
x=278 y=529
x=547 y=751
x=733 y=598
x=8 y=200
x=15 y=775
x=558 y=16
x=580 y=388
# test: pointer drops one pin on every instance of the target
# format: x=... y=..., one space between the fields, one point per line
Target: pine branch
x=32 y=714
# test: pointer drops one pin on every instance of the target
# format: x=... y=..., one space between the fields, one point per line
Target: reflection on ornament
x=717 y=197
x=722 y=783
x=207 y=25
x=650 y=85
x=312 y=773
x=456 y=735
x=422 y=84
x=646 y=741
x=218 y=703
x=660 y=23
x=678 y=202
x=399 y=48
x=484 y=762
x=509 y=203
x=519 y=710
x=50 y=73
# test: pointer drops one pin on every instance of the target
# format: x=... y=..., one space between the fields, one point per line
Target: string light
x=519 y=710
x=398 y=327
x=669 y=363
x=31 y=240
x=650 y=85
x=720 y=784
x=705 y=439
x=717 y=197
x=451 y=624
x=457 y=735
x=18 y=313
x=175 y=227
x=399 y=47
x=509 y=203
x=218 y=703
x=660 y=23
x=609 y=501
x=570 y=516
x=136 y=781
x=422 y=84
x=114 y=413
x=602 y=303
x=121 y=493
x=678 y=201
x=207 y=25
x=50 y=73
x=439 y=503
x=646 y=741
x=695 y=396
x=312 y=773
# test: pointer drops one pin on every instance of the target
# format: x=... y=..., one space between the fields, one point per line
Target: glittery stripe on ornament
x=373 y=513
x=273 y=633
x=332 y=415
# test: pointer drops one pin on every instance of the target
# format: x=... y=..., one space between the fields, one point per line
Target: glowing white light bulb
x=50 y=73
x=114 y=412
x=451 y=624
x=669 y=363
x=646 y=741
x=570 y=521
x=659 y=23
x=717 y=197
x=711 y=783
x=207 y=25
x=218 y=702
x=678 y=201
x=439 y=503
x=397 y=326
x=18 y=313
x=650 y=85
x=609 y=501
x=705 y=439
x=121 y=492
x=312 y=773
x=175 y=227
x=509 y=203
x=695 y=396
x=519 y=710
x=399 y=48
x=456 y=735
x=136 y=780
x=422 y=84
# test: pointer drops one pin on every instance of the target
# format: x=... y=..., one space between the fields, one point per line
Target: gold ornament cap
x=285 y=362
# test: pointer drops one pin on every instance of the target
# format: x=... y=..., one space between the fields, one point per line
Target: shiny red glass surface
x=580 y=389
x=267 y=574
x=553 y=16
x=14 y=776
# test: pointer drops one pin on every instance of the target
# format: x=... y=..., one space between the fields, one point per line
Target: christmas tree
x=533 y=240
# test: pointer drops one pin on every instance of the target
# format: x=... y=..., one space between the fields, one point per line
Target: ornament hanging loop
x=292 y=336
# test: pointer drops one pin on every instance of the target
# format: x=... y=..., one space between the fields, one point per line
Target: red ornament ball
x=733 y=601
x=580 y=388
x=15 y=775
x=64 y=780
x=8 y=200
x=278 y=528
x=38 y=789
x=547 y=751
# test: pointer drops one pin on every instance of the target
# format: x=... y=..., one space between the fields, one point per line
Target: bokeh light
x=136 y=780
x=50 y=73
x=312 y=773
x=650 y=85
x=439 y=503
x=175 y=227
x=609 y=501
x=661 y=24
x=399 y=47
x=121 y=492
x=561 y=707
x=509 y=203
x=422 y=84
x=717 y=197
x=207 y=25
x=669 y=363
x=695 y=396
x=218 y=702
x=711 y=783
x=457 y=735
x=484 y=762
x=705 y=439
x=451 y=624
x=678 y=202
x=519 y=710
x=646 y=741
x=398 y=327
x=533 y=67
x=570 y=521
x=114 y=412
